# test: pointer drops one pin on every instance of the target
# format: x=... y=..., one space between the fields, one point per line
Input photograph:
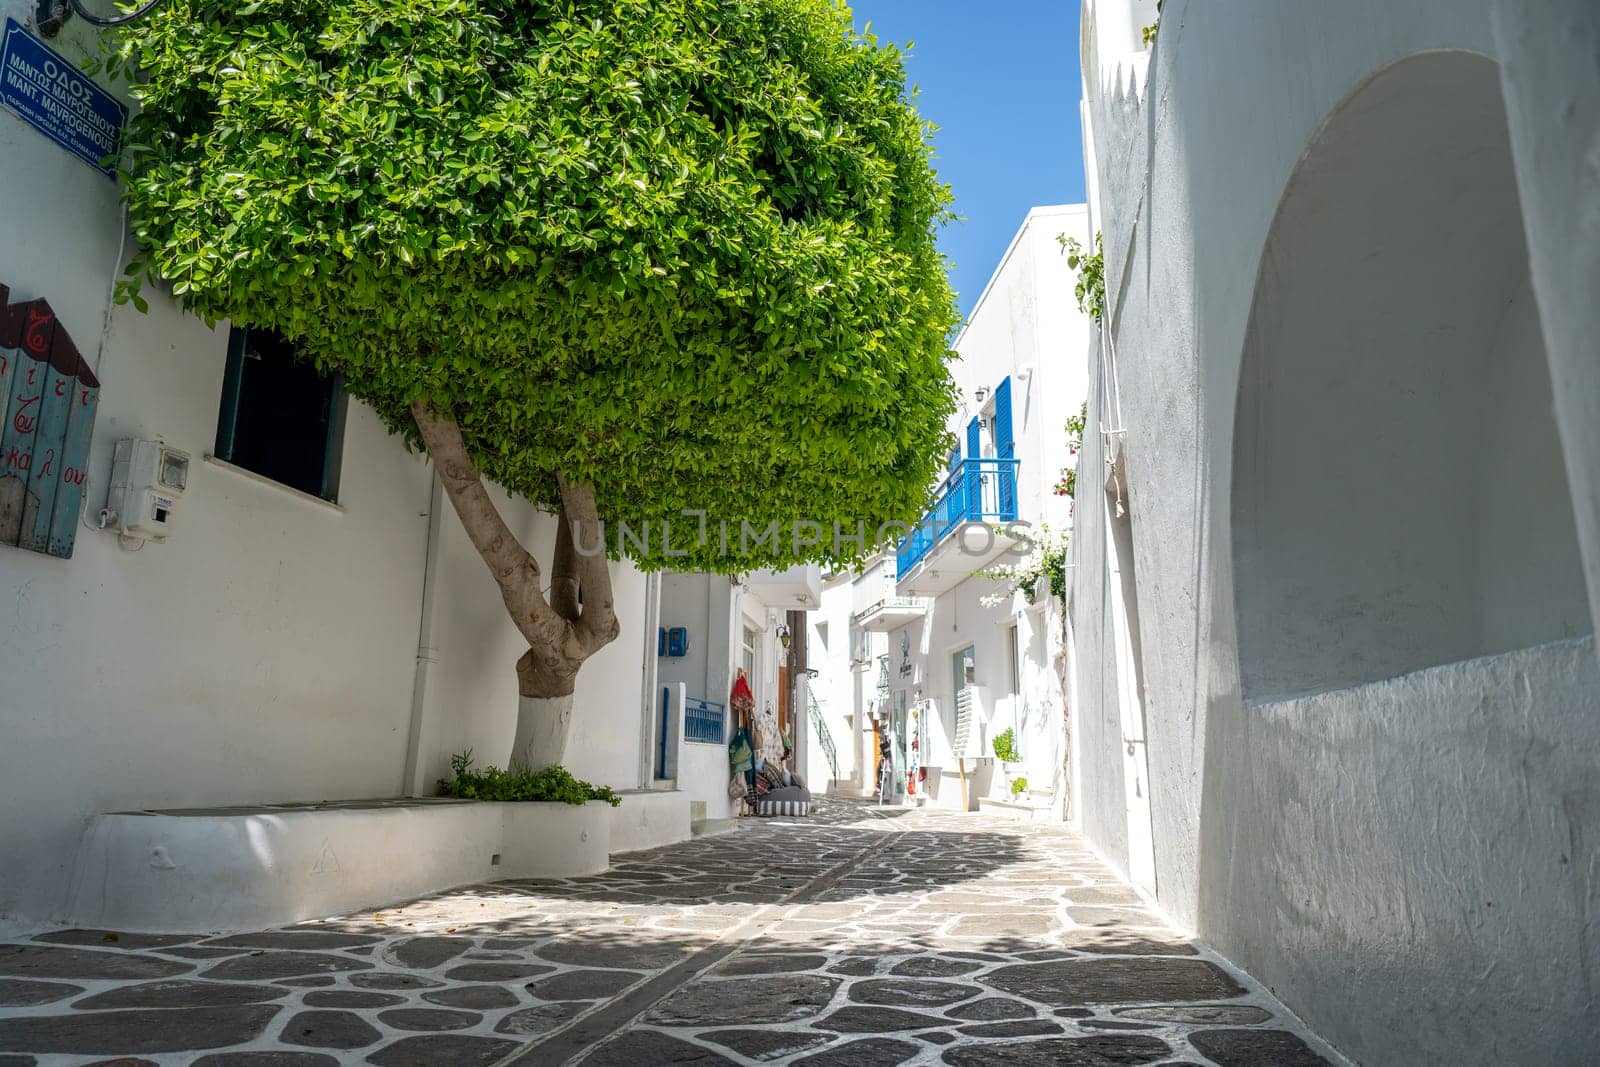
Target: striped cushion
x=783 y=807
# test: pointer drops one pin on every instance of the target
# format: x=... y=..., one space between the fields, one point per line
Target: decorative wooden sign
x=48 y=399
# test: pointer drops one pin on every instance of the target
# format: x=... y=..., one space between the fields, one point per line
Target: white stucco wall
x=830 y=653
x=1397 y=860
x=473 y=695
x=267 y=651
x=1033 y=710
x=1027 y=325
x=715 y=611
x=702 y=604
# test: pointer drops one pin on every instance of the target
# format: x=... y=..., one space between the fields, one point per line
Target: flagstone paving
x=855 y=938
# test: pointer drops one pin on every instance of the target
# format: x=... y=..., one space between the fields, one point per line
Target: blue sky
x=1000 y=79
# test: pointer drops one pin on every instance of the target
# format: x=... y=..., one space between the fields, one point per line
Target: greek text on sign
x=60 y=101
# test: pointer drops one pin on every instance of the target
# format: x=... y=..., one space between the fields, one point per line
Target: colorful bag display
x=741 y=754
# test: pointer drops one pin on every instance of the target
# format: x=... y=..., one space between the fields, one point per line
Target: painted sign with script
x=48 y=398
x=56 y=98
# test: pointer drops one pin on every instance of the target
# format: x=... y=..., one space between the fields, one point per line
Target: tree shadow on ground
x=877 y=937
x=773 y=866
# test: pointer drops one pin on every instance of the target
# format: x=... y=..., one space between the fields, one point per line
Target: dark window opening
x=280 y=418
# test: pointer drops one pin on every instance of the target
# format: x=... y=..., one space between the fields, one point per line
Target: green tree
x=625 y=258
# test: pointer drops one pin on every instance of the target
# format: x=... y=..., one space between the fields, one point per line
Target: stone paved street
x=857 y=937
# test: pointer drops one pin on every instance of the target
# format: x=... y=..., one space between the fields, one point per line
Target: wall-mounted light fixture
x=982 y=393
x=52 y=14
x=783 y=635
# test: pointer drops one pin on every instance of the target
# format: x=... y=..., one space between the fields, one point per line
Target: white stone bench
x=208 y=869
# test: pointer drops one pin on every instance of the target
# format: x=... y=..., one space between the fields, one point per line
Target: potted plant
x=1005 y=750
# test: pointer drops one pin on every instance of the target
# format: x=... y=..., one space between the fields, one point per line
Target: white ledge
x=250 y=868
x=261 y=479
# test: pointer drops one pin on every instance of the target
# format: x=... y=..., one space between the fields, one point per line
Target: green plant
x=1005 y=745
x=632 y=260
x=1091 y=267
x=1148 y=33
x=1018 y=785
x=1044 y=556
x=1068 y=485
x=554 y=783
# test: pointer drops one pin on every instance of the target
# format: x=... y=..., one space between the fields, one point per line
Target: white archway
x=1399 y=495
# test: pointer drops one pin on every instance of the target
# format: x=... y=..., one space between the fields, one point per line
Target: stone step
x=1028 y=810
x=711 y=827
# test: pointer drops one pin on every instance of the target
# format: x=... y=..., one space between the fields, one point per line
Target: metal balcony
x=976 y=495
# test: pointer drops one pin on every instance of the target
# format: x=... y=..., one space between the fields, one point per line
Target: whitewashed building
x=712 y=629
x=912 y=652
x=314 y=627
x=1337 y=555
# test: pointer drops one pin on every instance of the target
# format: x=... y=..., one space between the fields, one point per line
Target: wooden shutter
x=1005 y=448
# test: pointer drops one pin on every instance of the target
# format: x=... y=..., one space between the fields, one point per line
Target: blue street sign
x=56 y=98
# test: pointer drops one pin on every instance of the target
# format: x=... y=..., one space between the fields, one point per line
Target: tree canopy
x=681 y=251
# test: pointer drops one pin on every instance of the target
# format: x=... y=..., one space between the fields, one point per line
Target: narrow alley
x=860 y=936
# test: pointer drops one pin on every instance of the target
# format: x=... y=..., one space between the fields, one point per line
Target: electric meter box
x=147 y=481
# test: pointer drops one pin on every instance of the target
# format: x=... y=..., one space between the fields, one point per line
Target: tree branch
x=597 y=625
x=564 y=580
x=515 y=571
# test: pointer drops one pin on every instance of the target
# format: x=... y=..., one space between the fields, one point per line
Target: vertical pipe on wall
x=649 y=668
x=799 y=692
x=427 y=655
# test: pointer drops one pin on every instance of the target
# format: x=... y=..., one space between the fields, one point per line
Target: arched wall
x=1399 y=496
x=1394 y=859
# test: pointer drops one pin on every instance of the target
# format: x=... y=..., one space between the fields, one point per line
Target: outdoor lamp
x=783 y=635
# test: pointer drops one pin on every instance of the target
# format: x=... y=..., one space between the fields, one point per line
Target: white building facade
x=320 y=632
x=713 y=628
x=1337 y=554
x=915 y=655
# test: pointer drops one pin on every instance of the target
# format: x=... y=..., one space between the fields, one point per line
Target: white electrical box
x=147 y=481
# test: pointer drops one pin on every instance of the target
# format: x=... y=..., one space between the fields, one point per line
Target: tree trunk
x=577 y=620
x=543 y=725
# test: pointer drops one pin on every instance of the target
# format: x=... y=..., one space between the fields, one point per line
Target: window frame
x=225 y=446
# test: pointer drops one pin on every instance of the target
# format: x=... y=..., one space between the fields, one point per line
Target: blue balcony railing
x=976 y=490
x=704 y=721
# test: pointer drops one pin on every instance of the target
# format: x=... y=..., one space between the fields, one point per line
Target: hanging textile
x=769 y=739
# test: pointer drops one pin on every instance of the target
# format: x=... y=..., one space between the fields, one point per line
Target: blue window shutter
x=1005 y=449
x=974 y=501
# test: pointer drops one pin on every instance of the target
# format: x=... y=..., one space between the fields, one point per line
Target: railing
x=897 y=603
x=704 y=722
x=977 y=490
x=824 y=737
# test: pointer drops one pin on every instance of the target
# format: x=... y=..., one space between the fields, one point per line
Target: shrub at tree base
x=554 y=783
